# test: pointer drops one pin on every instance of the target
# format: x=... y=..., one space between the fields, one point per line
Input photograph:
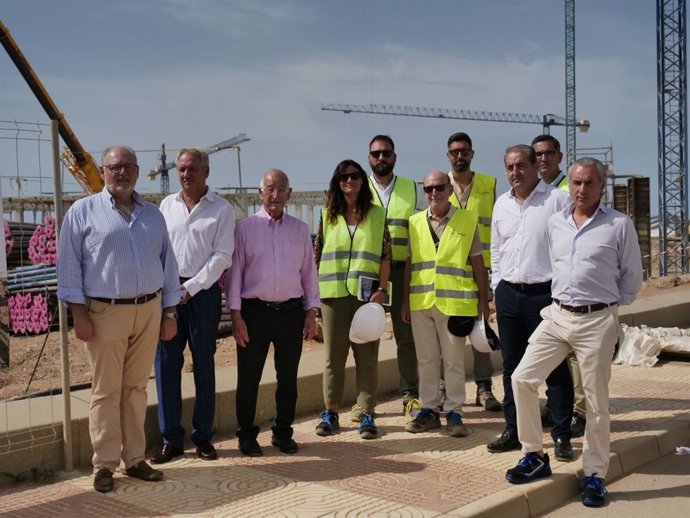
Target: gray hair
x=126 y=148
x=521 y=148
x=589 y=161
x=199 y=153
x=277 y=172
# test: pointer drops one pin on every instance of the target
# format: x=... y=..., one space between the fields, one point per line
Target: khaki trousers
x=592 y=338
x=121 y=353
x=436 y=346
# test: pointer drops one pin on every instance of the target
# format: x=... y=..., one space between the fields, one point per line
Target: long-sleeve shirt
x=101 y=254
x=599 y=262
x=202 y=239
x=519 y=251
x=273 y=261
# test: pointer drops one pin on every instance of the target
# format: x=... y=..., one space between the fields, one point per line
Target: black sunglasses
x=387 y=153
x=346 y=177
x=439 y=188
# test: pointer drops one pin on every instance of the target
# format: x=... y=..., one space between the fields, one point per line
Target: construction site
x=45 y=452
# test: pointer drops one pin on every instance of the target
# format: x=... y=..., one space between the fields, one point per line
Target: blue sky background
x=196 y=72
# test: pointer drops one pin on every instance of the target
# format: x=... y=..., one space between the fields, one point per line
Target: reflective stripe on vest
x=401 y=205
x=345 y=258
x=443 y=277
x=481 y=200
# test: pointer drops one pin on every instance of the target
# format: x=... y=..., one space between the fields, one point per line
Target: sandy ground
x=42 y=352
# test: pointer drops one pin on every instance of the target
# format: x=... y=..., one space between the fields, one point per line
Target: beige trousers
x=592 y=338
x=121 y=354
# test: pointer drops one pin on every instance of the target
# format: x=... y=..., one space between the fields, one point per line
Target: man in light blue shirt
x=117 y=273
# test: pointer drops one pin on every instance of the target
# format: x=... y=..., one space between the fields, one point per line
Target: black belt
x=397 y=265
x=540 y=287
x=137 y=300
x=584 y=309
x=286 y=305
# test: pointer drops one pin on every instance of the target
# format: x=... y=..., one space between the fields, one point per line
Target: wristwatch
x=171 y=314
x=381 y=289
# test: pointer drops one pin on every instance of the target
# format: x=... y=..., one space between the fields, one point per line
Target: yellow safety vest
x=345 y=258
x=443 y=276
x=401 y=206
x=481 y=201
x=563 y=184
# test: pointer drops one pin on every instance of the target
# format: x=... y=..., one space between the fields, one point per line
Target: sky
x=197 y=72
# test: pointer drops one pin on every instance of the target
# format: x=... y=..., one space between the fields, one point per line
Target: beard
x=461 y=166
x=383 y=169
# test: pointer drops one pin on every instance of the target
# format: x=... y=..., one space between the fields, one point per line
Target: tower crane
x=164 y=167
x=570 y=122
x=546 y=121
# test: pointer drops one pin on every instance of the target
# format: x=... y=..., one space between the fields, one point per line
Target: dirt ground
x=25 y=352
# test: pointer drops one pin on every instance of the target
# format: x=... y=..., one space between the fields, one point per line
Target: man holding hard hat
x=446 y=290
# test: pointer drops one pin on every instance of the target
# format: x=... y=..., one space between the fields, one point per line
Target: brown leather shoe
x=168 y=453
x=143 y=471
x=103 y=481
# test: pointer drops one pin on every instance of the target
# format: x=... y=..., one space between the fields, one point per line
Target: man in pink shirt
x=272 y=294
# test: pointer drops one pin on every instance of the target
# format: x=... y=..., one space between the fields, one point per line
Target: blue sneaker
x=531 y=467
x=328 y=423
x=367 y=427
x=593 y=491
x=455 y=426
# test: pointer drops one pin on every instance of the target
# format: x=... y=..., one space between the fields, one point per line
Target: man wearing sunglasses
x=444 y=276
x=477 y=192
x=549 y=157
x=398 y=196
x=117 y=272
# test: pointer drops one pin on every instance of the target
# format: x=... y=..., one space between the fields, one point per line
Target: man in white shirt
x=595 y=257
x=201 y=226
x=521 y=279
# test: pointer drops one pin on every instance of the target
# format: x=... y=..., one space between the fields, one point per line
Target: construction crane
x=546 y=121
x=672 y=117
x=570 y=122
x=79 y=162
x=164 y=167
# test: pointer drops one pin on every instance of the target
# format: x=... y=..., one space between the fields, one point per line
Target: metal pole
x=62 y=310
x=239 y=167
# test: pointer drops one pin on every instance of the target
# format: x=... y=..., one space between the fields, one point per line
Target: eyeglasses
x=548 y=153
x=274 y=190
x=439 y=188
x=346 y=177
x=118 y=168
x=464 y=152
x=386 y=153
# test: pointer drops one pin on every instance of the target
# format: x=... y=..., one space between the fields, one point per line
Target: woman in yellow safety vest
x=352 y=241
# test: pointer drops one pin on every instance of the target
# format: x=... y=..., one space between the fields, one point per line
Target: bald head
x=436 y=177
x=437 y=191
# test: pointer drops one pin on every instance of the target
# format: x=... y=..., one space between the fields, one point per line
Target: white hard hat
x=368 y=323
x=478 y=337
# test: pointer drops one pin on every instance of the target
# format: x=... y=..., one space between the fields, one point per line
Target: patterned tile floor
x=397 y=475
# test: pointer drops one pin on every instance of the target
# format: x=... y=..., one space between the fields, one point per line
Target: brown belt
x=584 y=309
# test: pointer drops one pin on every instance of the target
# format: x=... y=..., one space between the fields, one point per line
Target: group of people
x=143 y=284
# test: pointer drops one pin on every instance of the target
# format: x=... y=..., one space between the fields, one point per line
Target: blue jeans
x=518 y=315
x=197 y=325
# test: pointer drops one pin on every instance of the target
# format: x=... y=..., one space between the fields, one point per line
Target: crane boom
x=546 y=121
x=80 y=163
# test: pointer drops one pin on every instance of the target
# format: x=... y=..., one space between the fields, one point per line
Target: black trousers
x=282 y=326
x=518 y=315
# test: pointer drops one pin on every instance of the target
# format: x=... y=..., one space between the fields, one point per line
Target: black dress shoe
x=563 y=449
x=206 y=451
x=577 y=425
x=506 y=442
x=251 y=448
x=284 y=444
x=168 y=453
